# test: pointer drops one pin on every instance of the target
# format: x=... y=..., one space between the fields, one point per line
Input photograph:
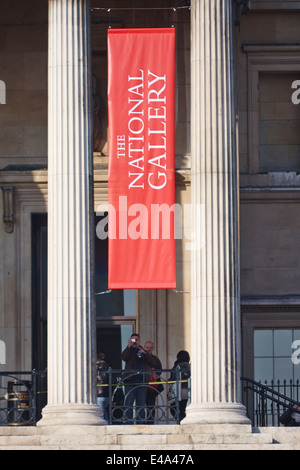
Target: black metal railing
x=134 y=398
x=131 y=396
x=266 y=403
x=19 y=397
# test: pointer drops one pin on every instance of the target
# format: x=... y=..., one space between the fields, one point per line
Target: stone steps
x=148 y=438
x=127 y=441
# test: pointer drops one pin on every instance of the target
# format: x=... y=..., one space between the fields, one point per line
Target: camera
x=133 y=340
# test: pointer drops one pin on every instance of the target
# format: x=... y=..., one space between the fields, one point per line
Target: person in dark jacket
x=136 y=359
x=181 y=371
x=291 y=418
x=102 y=391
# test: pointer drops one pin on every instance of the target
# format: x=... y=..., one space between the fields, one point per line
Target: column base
x=72 y=415
x=216 y=413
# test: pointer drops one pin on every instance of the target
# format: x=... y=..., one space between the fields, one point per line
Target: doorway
x=112 y=339
x=39 y=291
x=39 y=305
x=116 y=311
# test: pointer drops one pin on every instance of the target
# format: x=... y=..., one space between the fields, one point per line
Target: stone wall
x=23 y=68
x=268 y=58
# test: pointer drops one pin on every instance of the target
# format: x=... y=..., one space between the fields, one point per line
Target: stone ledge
x=282 y=435
x=168 y=437
x=214 y=429
x=161 y=437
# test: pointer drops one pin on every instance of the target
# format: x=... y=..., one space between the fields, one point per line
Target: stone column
x=215 y=352
x=71 y=313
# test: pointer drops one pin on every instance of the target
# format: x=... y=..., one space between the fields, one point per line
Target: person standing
x=156 y=388
x=102 y=385
x=136 y=359
x=181 y=371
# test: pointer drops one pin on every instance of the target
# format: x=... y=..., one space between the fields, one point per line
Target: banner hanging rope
x=141 y=8
x=173 y=9
x=174 y=290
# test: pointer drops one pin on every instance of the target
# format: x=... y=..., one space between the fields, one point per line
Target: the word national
x=147 y=108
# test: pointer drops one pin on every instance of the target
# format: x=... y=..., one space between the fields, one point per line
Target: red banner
x=141 y=105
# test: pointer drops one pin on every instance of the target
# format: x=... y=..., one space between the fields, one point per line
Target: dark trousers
x=150 y=402
x=137 y=394
x=179 y=414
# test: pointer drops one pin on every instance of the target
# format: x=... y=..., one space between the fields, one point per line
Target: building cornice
x=18 y=176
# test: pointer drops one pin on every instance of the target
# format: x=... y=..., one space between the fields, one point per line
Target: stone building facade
x=237 y=165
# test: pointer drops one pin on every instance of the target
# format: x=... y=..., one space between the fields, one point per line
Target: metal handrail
x=23 y=407
x=122 y=383
x=257 y=408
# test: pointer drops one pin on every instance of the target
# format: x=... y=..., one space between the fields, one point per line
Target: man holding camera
x=136 y=359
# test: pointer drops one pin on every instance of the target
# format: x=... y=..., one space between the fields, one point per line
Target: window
x=273 y=140
x=273 y=355
x=116 y=303
x=116 y=310
x=279 y=118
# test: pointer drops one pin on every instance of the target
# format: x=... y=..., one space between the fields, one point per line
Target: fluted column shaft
x=71 y=314
x=215 y=260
